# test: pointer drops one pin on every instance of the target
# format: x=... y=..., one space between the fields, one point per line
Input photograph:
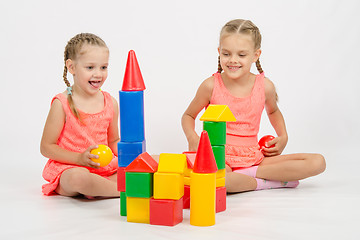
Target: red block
x=166 y=212
x=205 y=160
x=121 y=179
x=133 y=80
x=186 y=197
x=220 y=199
x=143 y=163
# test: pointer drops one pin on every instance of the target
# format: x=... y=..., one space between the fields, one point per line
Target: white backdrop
x=310 y=51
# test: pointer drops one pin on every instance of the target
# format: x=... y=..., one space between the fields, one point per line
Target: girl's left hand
x=279 y=142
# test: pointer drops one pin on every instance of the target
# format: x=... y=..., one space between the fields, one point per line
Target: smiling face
x=89 y=69
x=237 y=54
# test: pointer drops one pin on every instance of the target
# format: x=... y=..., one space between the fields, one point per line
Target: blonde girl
x=248 y=167
x=81 y=118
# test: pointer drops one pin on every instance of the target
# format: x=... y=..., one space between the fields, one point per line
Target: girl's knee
x=76 y=178
x=318 y=164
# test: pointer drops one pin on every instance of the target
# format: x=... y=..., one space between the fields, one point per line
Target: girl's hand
x=85 y=158
x=279 y=142
x=194 y=143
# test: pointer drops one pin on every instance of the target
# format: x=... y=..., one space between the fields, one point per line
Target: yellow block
x=218 y=113
x=168 y=185
x=187 y=181
x=220 y=173
x=138 y=209
x=187 y=172
x=202 y=199
x=220 y=182
x=172 y=163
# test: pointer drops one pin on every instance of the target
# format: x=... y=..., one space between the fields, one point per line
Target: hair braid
x=258 y=66
x=219 y=66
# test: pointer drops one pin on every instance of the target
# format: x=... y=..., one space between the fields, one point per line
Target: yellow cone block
x=202 y=199
x=138 y=209
x=168 y=186
x=172 y=163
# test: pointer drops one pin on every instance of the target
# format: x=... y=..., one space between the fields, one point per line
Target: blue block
x=128 y=151
x=132 y=116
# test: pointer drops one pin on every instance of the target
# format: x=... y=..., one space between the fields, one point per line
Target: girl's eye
x=104 y=67
x=90 y=67
x=225 y=54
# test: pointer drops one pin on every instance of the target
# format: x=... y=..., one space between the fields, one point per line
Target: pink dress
x=242 y=149
x=77 y=137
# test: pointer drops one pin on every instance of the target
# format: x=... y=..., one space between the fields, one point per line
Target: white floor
x=323 y=207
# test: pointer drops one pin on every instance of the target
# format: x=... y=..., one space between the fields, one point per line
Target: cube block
x=219 y=154
x=186 y=197
x=128 y=151
x=166 y=212
x=172 y=163
x=138 y=210
x=168 y=186
x=122 y=203
x=139 y=184
x=121 y=186
x=220 y=199
x=216 y=132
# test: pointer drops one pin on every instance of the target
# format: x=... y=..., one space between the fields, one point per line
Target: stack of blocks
x=132 y=130
x=214 y=123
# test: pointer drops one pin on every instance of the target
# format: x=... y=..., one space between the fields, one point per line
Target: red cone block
x=205 y=160
x=133 y=80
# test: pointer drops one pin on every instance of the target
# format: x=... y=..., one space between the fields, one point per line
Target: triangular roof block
x=190 y=158
x=218 y=113
x=143 y=163
x=205 y=160
x=133 y=80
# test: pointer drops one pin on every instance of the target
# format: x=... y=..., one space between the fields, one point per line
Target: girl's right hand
x=85 y=158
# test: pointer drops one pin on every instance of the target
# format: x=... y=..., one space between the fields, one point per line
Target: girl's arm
x=201 y=100
x=52 y=130
x=113 y=131
x=276 y=119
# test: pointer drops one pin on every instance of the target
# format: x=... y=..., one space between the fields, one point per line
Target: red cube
x=166 y=212
x=121 y=179
x=186 y=197
x=220 y=199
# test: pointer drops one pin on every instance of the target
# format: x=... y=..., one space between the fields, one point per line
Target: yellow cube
x=187 y=181
x=138 y=209
x=168 y=186
x=172 y=163
x=220 y=173
x=220 y=182
x=187 y=172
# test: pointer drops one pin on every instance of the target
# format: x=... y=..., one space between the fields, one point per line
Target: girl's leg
x=291 y=167
x=236 y=182
x=77 y=181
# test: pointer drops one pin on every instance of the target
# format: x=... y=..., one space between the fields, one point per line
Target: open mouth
x=234 y=67
x=95 y=84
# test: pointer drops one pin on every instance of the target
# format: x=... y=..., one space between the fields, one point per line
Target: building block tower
x=214 y=122
x=132 y=130
x=203 y=184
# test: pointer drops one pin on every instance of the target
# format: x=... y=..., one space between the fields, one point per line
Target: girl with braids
x=80 y=118
x=247 y=166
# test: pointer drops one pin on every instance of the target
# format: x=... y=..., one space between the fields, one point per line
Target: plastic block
x=216 y=131
x=132 y=116
x=202 y=199
x=218 y=113
x=219 y=154
x=190 y=158
x=172 y=163
x=204 y=160
x=123 y=204
x=143 y=163
x=138 y=210
x=139 y=184
x=133 y=80
x=187 y=181
x=186 y=197
x=128 y=151
x=166 y=212
x=220 y=199
x=121 y=186
x=220 y=182
x=220 y=173
x=168 y=186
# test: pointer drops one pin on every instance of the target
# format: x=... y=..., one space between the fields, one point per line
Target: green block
x=139 y=184
x=219 y=154
x=216 y=132
x=123 y=211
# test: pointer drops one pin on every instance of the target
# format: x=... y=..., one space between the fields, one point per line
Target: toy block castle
x=132 y=130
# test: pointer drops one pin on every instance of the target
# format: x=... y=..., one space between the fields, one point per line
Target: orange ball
x=105 y=155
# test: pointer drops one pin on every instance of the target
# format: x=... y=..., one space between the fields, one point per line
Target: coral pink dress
x=242 y=149
x=77 y=137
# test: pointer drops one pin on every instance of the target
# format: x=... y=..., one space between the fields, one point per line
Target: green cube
x=139 y=184
x=219 y=154
x=123 y=204
x=216 y=132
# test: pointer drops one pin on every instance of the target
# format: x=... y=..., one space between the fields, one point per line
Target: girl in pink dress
x=81 y=118
x=247 y=166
